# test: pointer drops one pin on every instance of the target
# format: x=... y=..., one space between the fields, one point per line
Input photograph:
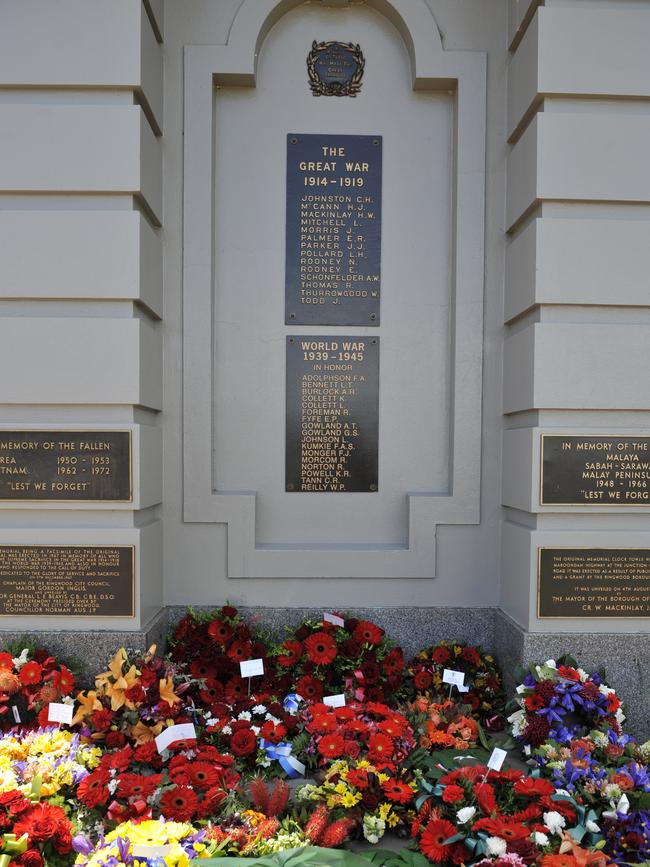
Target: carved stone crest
x=335 y=68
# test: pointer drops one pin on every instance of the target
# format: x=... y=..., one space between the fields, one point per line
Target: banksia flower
x=337 y=833
x=260 y=795
x=317 y=824
x=277 y=803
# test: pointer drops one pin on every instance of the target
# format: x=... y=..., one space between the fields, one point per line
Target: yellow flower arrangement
x=50 y=759
x=173 y=843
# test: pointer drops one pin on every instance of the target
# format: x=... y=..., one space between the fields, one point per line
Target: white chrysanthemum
x=612 y=791
x=599 y=738
x=540 y=839
x=226 y=730
x=245 y=715
x=554 y=821
x=495 y=846
x=255 y=729
x=259 y=708
x=465 y=814
x=518 y=722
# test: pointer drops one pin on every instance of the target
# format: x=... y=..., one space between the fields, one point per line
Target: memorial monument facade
x=327 y=305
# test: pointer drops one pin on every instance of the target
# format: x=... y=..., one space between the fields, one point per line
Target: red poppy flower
x=179 y=804
x=309 y=688
x=321 y=648
x=432 y=842
x=367 y=633
x=422 y=679
x=93 y=789
x=243 y=742
x=441 y=655
x=221 y=632
x=30 y=673
x=398 y=791
x=453 y=794
x=380 y=747
x=63 y=680
x=137 y=785
x=331 y=746
x=292 y=653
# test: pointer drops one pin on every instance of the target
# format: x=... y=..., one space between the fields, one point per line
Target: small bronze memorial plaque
x=335 y=68
x=67 y=580
x=332 y=414
x=593 y=582
x=598 y=470
x=64 y=465
x=333 y=233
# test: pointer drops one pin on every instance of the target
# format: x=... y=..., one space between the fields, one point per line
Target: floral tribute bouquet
x=29 y=681
x=473 y=813
x=627 y=837
x=183 y=785
x=559 y=701
x=372 y=731
x=39 y=832
x=46 y=761
x=214 y=643
x=371 y=798
x=256 y=735
x=442 y=725
x=134 y=700
x=147 y=842
x=322 y=658
x=486 y=696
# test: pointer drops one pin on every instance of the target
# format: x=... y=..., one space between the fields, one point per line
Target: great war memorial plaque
x=333 y=229
x=593 y=582
x=63 y=465
x=595 y=470
x=332 y=416
x=67 y=580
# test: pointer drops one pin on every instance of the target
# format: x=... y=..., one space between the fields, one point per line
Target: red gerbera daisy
x=422 y=679
x=219 y=631
x=433 y=839
x=240 y=650
x=394 y=662
x=321 y=648
x=30 y=673
x=367 y=632
x=236 y=689
x=137 y=785
x=292 y=653
x=324 y=723
x=179 y=803
x=532 y=787
x=441 y=655
x=200 y=669
x=471 y=655
x=502 y=828
x=212 y=691
x=358 y=778
x=63 y=680
x=309 y=688
x=331 y=746
x=397 y=790
x=93 y=789
x=203 y=774
x=380 y=747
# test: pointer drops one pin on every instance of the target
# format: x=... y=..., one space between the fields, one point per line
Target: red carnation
x=453 y=794
x=368 y=633
x=101 y=720
x=321 y=648
x=243 y=742
x=179 y=804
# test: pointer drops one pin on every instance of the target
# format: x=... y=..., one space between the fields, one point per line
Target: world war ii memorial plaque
x=332 y=414
x=63 y=465
x=593 y=582
x=333 y=240
x=67 y=580
x=598 y=470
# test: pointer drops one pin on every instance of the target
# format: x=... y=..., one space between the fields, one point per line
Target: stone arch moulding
x=464 y=74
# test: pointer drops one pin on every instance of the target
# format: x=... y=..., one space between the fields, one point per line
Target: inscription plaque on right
x=595 y=470
x=593 y=582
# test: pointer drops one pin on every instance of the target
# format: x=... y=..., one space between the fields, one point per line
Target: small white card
x=496 y=760
x=462 y=688
x=334 y=700
x=334 y=619
x=181 y=732
x=16 y=713
x=59 y=712
x=141 y=851
x=457 y=678
x=251 y=667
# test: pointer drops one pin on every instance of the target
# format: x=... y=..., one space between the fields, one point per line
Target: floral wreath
x=486 y=696
x=30 y=678
x=559 y=701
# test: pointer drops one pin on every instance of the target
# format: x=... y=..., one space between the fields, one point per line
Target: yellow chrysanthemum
x=392 y=820
x=384 y=810
x=350 y=799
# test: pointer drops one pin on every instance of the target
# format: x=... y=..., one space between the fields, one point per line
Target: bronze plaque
x=335 y=68
x=332 y=414
x=593 y=582
x=61 y=465
x=333 y=229
x=67 y=580
x=592 y=470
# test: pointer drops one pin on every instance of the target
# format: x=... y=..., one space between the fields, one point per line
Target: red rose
x=30 y=858
x=229 y=611
x=243 y=742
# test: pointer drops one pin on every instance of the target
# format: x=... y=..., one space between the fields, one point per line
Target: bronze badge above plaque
x=593 y=582
x=63 y=465
x=332 y=414
x=335 y=68
x=601 y=470
x=67 y=580
x=333 y=229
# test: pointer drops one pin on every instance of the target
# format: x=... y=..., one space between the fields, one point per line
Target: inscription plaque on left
x=67 y=580
x=333 y=254
x=63 y=465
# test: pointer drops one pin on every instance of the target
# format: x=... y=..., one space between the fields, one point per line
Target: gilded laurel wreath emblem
x=321 y=60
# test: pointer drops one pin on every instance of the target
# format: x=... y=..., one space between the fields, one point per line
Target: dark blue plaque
x=333 y=253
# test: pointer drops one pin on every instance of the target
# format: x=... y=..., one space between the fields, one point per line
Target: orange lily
x=114 y=683
x=88 y=703
x=167 y=691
